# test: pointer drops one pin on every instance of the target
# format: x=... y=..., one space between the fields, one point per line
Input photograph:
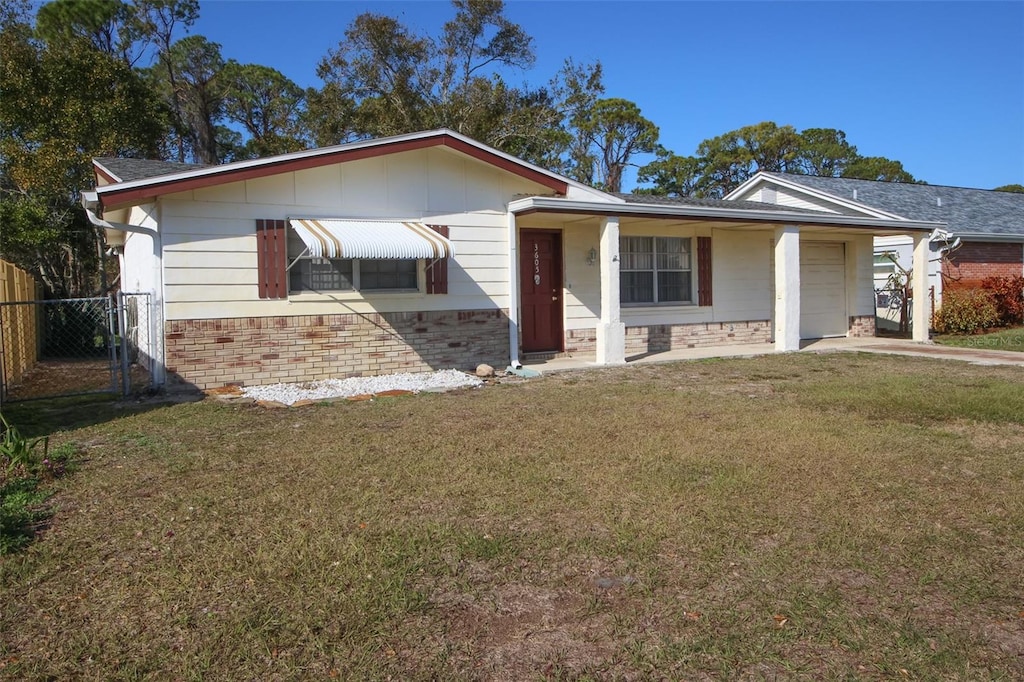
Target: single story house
x=982 y=233
x=431 y=250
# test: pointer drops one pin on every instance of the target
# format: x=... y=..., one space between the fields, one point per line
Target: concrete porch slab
x=855 y=345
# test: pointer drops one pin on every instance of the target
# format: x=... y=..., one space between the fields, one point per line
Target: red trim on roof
x=106 y=175
x=113 y=198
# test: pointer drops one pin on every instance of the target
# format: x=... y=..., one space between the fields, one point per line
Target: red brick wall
x=266 y=350
x=862 y=325
x=657 y=338
x=974 y=261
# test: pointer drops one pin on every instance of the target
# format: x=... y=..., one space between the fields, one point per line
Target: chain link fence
x=74 y=346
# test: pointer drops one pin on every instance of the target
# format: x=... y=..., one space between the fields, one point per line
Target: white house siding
x=210 y=243
x=140 y=264
x=741 y=300
x=785 y=197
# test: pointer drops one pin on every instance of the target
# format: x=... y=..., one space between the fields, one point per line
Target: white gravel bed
x=344 y=388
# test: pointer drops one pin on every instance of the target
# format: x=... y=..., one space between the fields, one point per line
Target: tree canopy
x=86 y=78
x=723 y=163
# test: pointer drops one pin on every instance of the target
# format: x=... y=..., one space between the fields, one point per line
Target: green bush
x=966 y=311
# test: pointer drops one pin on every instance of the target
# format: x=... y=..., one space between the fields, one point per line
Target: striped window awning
x=336 y=238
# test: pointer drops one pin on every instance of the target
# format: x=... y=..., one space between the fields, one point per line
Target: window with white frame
x=655 y=270
x=313 y=274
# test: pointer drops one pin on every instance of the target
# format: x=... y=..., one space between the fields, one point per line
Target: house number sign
x=536 y=265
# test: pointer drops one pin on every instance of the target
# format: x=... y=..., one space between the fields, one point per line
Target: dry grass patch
x=786 y=516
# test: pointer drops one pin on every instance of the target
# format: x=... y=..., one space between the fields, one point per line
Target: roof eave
x=547 y=205
x=986 y=237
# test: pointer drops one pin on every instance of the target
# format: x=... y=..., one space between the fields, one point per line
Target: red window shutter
x=272 y=258
x=437 y=270
x=703 y=270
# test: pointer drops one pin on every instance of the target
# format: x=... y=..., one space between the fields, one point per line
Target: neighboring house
x=431 y=250
x=982 y=236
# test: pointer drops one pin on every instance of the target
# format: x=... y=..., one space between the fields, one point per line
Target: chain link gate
x=74 y=346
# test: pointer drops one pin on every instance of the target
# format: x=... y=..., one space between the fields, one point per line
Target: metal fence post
x=126 y=379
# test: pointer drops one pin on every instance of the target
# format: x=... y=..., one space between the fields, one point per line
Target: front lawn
x=789 y=516
x=1003 y=339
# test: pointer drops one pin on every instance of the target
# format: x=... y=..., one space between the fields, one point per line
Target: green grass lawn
x=1004 y=339
x=788 y=516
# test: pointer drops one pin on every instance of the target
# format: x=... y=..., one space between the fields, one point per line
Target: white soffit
x=338 y=238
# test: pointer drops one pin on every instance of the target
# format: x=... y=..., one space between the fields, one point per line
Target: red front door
x=540 y=285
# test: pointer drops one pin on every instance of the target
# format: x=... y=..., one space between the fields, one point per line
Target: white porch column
x=611 y=332
x=919 y=284
x=513 y=294
x=787 y=288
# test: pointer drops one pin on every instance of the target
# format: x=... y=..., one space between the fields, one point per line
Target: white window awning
x=336 y=238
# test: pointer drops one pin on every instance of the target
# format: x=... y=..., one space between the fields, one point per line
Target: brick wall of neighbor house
x=657 y=338
x=264 y=350
x=862 y=325
x=974 y=261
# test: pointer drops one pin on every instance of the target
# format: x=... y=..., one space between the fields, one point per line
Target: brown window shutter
x=703 y=270
x=272 y=258
x=437 y=270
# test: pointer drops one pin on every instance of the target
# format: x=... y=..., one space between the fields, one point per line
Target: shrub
x=1008 y=295
x=965 y=311
x=20 y=453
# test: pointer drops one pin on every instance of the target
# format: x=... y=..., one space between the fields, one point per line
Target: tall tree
x=188 y=76
x=267 y=105
x=61 y=104
x=385 y=79
x=724 y=162
x=877 y=168
x=671 y=174
x=1016 y=189
x=824 y=152
x=616 y=131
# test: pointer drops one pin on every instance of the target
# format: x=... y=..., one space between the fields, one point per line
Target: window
x=655 y=270
x=348 y=274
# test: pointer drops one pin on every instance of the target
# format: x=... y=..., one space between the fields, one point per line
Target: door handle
x=554 y=298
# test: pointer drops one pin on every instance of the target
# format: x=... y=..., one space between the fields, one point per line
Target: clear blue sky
x=936 y=85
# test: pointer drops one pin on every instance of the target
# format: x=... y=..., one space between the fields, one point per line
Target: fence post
x=125 y=373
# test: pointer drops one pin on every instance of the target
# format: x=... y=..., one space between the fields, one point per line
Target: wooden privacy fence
x=19 y=324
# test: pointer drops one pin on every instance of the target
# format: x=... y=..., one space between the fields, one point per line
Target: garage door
x=822 y=290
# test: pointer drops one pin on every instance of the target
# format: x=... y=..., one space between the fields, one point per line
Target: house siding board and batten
x=202 y=260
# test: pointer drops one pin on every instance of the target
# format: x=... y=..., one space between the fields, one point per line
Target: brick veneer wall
x=862 y=325
x=264 y=350
x=974 y=261
x=657 y=338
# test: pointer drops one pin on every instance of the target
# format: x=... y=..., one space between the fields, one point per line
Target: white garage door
x=822 y=290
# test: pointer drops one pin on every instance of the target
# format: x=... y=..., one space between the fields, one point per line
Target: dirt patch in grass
x=798 y=516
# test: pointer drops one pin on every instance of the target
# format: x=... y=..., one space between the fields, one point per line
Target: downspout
x=90 y=202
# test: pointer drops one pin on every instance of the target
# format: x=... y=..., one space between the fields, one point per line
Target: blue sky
x=936 y=85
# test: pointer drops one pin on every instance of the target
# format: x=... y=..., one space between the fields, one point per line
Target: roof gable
x=128 y=192
x=965 y=210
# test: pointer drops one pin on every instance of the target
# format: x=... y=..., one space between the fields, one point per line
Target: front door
x=540 y=282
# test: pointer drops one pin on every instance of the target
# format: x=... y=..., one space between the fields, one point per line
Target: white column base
x=611 y=343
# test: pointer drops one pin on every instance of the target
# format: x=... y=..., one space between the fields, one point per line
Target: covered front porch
x=618 y=282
